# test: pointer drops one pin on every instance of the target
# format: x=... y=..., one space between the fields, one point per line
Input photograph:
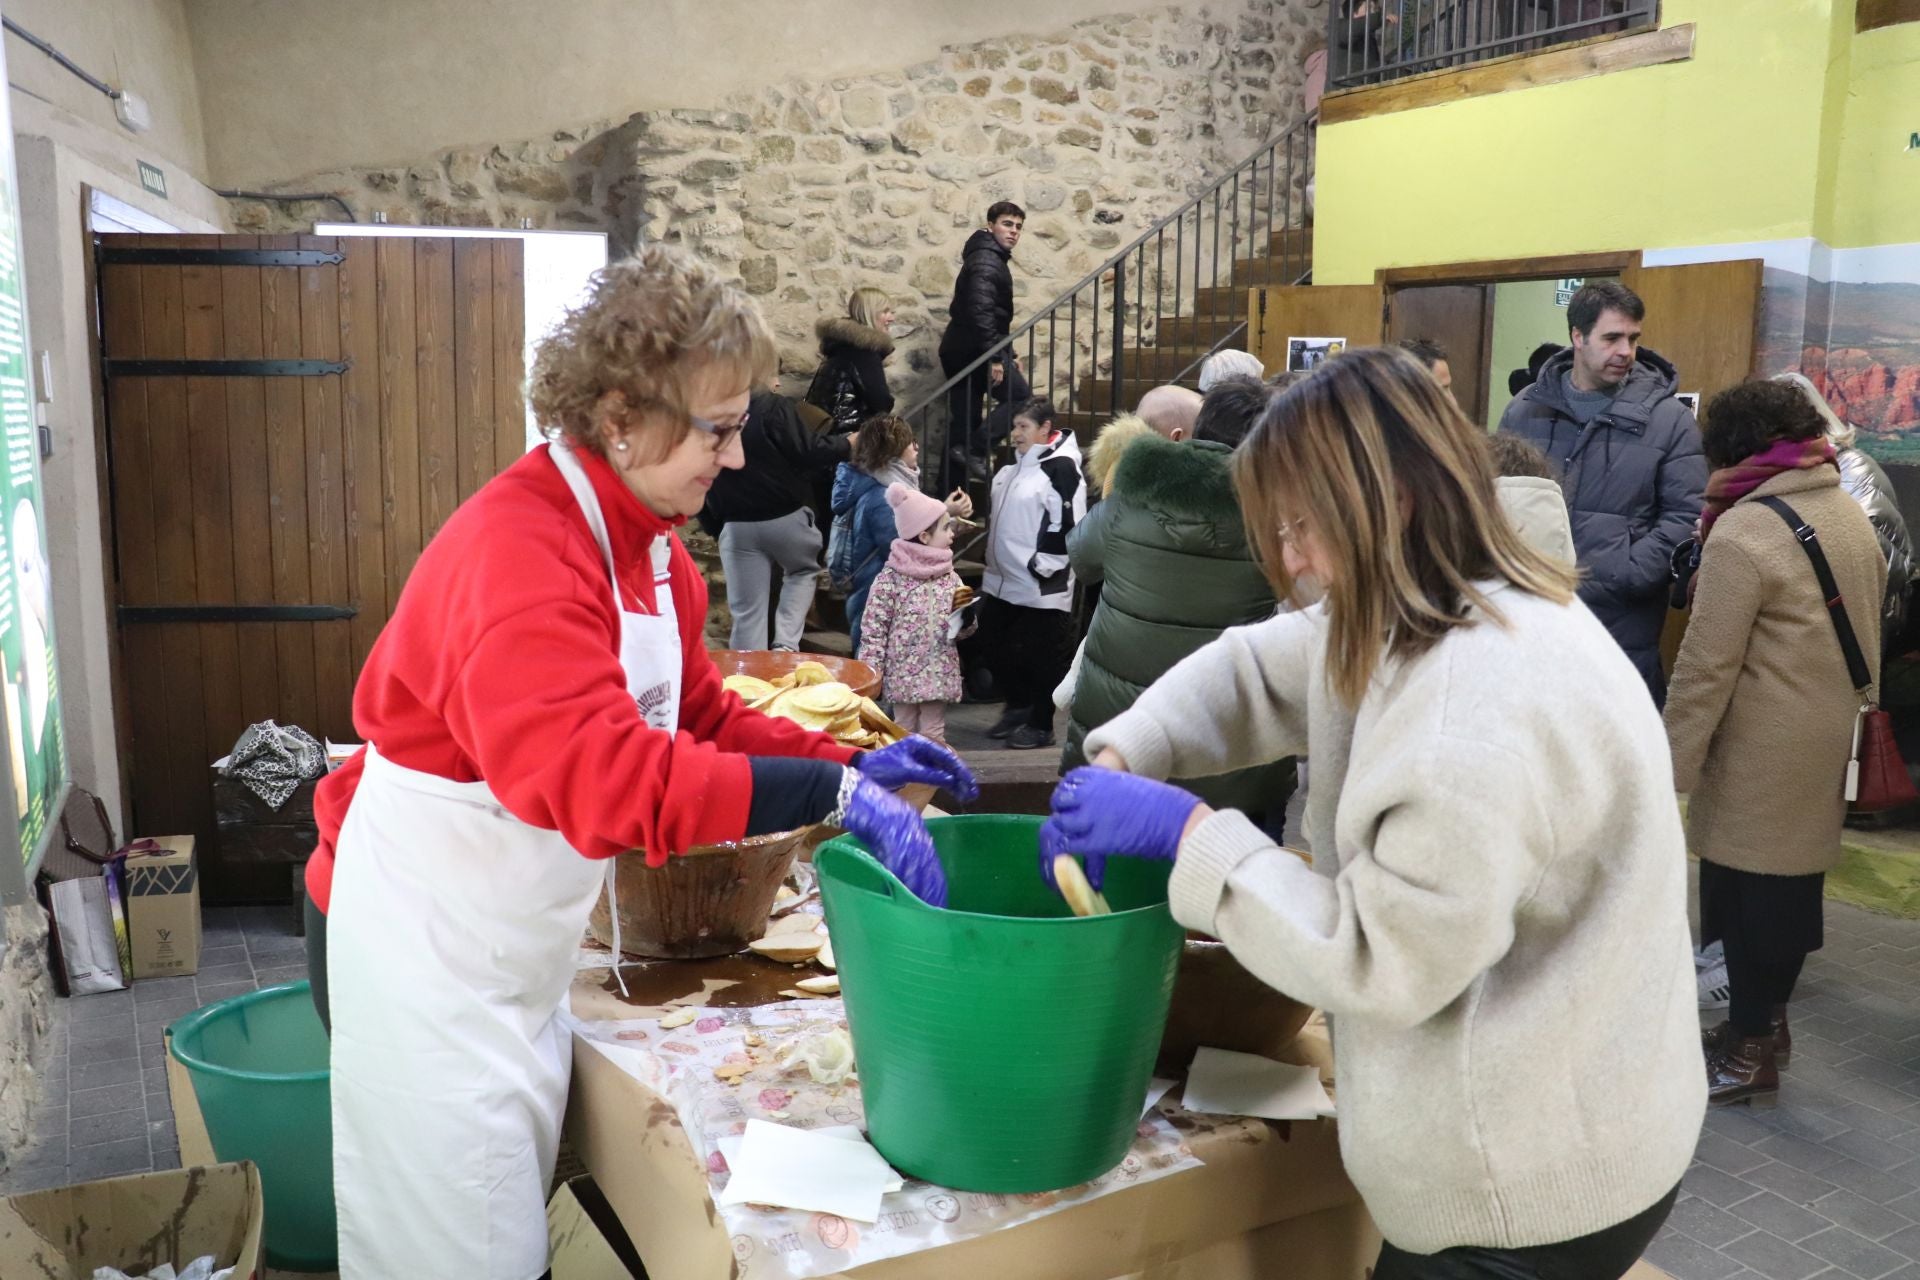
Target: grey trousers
x=749 y=552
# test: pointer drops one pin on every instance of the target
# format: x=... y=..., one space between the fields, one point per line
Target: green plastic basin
x=259 y=1068
x=1003 y=1045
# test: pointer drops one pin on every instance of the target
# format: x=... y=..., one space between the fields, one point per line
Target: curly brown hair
x=883 y=438
x=1746 y=418
x=654 y=324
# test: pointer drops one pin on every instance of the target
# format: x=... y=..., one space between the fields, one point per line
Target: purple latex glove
x=898 y=838
x=1098 y=812
x=919 y=759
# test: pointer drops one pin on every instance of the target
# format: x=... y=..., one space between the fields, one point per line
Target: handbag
x=1877 y=777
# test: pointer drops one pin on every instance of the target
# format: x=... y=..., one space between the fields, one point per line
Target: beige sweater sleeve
x=1441 y=840
x=1232 y=704
x=1725 y=603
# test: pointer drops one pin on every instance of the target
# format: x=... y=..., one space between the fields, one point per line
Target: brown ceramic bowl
x=712 y=902
x=768 y=665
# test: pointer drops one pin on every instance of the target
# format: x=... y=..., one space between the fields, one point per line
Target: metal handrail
x=1454 y=33
x=1238 y=190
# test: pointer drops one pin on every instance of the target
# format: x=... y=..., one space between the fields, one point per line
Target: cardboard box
x=136 y=1223
x=585 y=1237
x=163 y=909
x=1262 y=1199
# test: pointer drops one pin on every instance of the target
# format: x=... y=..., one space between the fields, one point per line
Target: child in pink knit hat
x=907 y=633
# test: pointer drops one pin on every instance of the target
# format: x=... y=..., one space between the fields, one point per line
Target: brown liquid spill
x=734 y=982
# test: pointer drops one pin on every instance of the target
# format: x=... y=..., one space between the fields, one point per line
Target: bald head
x=1170 y=411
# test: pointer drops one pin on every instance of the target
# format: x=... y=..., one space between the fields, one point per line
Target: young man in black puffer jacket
x=978 y=320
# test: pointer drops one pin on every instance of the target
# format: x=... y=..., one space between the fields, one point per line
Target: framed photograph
x=1304 y=354
x=1691 y=399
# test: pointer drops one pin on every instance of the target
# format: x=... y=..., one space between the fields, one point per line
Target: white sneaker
x=1714 y=991
x=1710 y=955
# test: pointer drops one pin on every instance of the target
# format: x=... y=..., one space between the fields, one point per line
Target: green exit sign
x=153 y=179
x=1913 y=142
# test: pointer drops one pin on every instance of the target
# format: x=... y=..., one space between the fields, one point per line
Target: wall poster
x=29 y=682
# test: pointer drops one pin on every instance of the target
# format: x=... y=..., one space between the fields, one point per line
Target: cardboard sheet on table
x=1243 y=1084
x=800 y=1169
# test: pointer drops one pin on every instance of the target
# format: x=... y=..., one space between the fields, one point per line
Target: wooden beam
x=1871 y=15
x=1599 y=56
x=1551 y=267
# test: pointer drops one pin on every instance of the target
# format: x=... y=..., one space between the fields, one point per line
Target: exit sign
x=153 y=179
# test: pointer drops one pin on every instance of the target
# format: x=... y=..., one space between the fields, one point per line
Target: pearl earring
x=621 y=445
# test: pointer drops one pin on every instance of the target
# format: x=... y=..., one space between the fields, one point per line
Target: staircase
x=1154 y=311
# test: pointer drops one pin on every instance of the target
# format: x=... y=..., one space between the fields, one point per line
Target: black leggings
x=1605 y=1255
x=1029 y=651
x=317 y=961
x=1755 y=987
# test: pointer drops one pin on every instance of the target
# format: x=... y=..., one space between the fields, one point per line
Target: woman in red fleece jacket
x=541 y=700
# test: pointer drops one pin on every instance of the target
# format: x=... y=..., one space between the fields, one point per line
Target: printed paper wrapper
x=782 y=1244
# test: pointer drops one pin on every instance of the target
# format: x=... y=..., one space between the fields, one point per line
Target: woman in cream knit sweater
x=1495 y=916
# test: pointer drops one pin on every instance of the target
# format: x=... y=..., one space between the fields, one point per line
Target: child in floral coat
x=904 y=633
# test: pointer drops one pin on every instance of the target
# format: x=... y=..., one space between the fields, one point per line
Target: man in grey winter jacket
x=1629 y=457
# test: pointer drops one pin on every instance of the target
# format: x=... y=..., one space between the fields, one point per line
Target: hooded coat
x=858 y=494
x=1867 y=484
x=1633 y=479
x=850 y=385
x=1170 y=549
x=981 y=313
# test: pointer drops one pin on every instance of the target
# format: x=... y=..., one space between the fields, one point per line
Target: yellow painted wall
x=1877 y=191
x=1723 y=147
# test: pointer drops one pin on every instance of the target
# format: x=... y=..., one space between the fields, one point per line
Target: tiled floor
x=1826 y=1185
x=105 y=1109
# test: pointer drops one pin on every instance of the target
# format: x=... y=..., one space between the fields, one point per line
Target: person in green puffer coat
x=1170 y=551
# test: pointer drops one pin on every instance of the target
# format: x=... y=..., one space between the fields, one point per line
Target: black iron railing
x=1374 y=41
x=1150 y=314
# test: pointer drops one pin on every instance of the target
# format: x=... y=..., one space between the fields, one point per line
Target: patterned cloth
x=273 y=760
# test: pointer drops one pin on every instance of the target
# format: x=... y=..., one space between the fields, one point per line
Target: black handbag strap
x=1829 y=589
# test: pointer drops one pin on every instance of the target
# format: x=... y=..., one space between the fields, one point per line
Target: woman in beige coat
x=1761 y=711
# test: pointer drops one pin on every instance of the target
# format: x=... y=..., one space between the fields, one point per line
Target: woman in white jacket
x=1495 y=914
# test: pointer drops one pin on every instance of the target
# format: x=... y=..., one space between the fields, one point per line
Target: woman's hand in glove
x=1098 y=812
x=919 y=759
x=897 y=836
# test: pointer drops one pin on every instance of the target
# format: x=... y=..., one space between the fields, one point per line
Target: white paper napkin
x=804 y=1169
x=1243 y=1084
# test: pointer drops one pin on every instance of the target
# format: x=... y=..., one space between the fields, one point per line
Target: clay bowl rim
x=867 y=685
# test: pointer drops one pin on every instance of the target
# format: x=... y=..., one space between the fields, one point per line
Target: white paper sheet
x=1156 y=1090
x=1243 y=1084
x=801 y=1169
x=730 y=1147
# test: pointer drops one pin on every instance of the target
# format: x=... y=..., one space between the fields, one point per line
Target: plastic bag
x=273 y=760
x=198 y=1269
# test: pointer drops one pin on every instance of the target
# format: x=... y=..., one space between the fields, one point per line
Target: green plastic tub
x=1003 y=1045
x=259 y=1068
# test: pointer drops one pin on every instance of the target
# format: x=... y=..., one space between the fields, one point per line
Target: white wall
x=140 y=45
x=291 y=88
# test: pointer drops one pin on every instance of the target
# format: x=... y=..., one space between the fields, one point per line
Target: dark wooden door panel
x=1460 y=318
x=258 y=492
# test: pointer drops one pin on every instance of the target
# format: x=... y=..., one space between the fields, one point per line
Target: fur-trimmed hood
x=840 y=331
x=1188 y=481
x=1104 y=454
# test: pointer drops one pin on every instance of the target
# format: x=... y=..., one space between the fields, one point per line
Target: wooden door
x=289 y=419
x=1460 y=318
x=1279 y=314
x=1702 y=317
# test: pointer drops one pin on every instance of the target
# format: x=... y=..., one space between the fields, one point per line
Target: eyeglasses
x=719 y=437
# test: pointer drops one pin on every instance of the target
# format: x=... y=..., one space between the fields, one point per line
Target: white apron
x=450 y=947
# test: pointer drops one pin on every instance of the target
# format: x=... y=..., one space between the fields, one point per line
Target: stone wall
x=812 y=189
x=26 y=1009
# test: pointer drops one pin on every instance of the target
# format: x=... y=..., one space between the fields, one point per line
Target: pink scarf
x=918 y=560
x=1730 y=484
